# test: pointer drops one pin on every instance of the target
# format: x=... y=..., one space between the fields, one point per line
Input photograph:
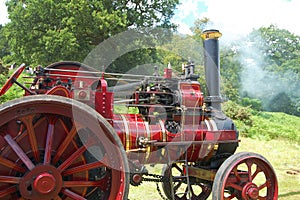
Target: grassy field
x=282 y=154
x=272 y=125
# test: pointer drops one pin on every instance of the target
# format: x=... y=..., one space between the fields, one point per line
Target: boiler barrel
x=132 y=129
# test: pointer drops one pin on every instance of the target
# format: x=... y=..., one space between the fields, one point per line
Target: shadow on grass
x=289 y=194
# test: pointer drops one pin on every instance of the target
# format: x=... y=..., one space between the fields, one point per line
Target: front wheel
x=245 y=176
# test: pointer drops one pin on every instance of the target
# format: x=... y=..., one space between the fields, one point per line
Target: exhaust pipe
x=212 y=67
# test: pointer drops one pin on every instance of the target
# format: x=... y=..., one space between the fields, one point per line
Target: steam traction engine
x=63 y=140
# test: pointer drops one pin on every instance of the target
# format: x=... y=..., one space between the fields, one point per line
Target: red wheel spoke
x=249 y=165
x=10 y=179
x=263 y=185
x=25 y=133
x=236 y=174
x=256 y=172
x=17 y=149
x=8 y=191
x=85 y=167
x=32 y=137
x=91 y=191
x=65 y=144
x=72 y=195
x=235 y=186
x=102 y=183
x=71 y=184
x=11 y=165
x=49 y=140
x=75 y=155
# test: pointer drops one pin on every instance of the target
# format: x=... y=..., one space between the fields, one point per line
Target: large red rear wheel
x=245 y=176
x=55 y=148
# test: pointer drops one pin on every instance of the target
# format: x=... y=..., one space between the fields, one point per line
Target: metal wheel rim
x=233 y=183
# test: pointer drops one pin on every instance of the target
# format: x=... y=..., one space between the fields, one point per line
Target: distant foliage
x=282 y=102
x=3 y=78
x=4 y=48
x=230 y=73
x=255 y=104
x=238 y=112
x=3 y=69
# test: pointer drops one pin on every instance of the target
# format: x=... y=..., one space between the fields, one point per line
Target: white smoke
x=258 y=82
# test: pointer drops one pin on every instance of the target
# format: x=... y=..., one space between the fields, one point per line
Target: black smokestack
x=212 y=67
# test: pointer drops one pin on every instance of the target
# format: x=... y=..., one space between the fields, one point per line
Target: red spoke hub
x=43 y=182
x=250 y=191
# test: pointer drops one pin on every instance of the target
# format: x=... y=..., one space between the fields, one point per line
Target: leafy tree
x=4 y=48
x=42 y=32
x=3 y=70
x=181 y=49
x=230 y=69
x=199 y=26
x=255 y=104
x=276 y=45
x=134 y=59
x=283 y=103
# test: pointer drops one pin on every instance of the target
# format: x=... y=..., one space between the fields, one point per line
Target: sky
x=3 y=12
x=233 y=18
x=239 y=17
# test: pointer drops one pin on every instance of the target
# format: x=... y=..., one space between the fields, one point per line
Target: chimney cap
x=211 y=34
